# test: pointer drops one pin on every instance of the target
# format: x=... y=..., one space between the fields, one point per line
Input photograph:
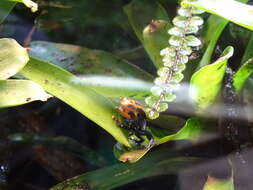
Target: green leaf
x=155 y=38
x=5 y=9
x=234 y=11
x=159 y=163
x=61 y=143
x=149 y=21
x=248 y=53
x=17 y=92
x=219 y=184
x=242 y=75
x=66 y=87
x=205 y=84
x=141 y=12
x=99 y=70
x=190 y=131
x=13 y=58
x=212 y=31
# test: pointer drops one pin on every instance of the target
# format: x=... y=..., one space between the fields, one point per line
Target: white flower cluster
x=182 y=39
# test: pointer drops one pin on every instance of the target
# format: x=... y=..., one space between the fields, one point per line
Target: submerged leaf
x=206 y=82
x=5 y=9
x=17 y=92
x=190 y=131
x=13 y=58
x=63 y=85
x=219 y=184
x=242 y=75
x=157 y=163
x=231 y=13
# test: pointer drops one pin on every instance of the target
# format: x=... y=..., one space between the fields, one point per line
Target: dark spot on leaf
x=46 y=81
x=28 y=99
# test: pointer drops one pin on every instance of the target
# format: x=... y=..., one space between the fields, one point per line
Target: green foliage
x=206 y=83
x=231 y=12
x=13 y=58
x=159 y=163
x=91 y=81
x=5 y=9
x=67 y=87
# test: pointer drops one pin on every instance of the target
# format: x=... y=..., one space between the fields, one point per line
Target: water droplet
x=192 y=41
x=176 y=31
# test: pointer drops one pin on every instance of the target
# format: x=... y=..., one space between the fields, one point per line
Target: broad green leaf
x=248 y=53
x=124 y=154
x=219 y=184
x=65 y=86
x=157 y=163
x=13 y=58
x=231 y=10
x=205 y=84
x=141 y=12
x=17 y=92
x=212 y=31
x=150 y=23
x=99 y=70
x=155 y=38
x=30 y=4
x=5 y=9
x=190 y=131
x=242 y=75
x=61 y=143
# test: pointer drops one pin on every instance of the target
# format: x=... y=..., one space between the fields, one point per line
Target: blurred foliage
x=99 y=51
